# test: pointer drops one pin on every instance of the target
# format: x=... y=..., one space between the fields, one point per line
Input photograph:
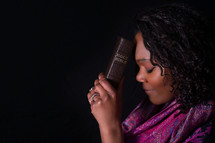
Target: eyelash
x=150 y=71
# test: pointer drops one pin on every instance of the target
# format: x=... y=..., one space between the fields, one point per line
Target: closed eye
x=150 y=71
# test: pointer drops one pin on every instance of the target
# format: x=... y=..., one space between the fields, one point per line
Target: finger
x=101 y=76
x=96 y=82
x=91 y=89
x=95 y=99
x=100 y=90
x=90 y=96
x=90 y=93
x=94 y=104
x=107 y=86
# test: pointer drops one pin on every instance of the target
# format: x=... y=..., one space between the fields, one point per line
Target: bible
x=118 y=61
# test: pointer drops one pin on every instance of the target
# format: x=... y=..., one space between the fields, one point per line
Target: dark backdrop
x=51 y=52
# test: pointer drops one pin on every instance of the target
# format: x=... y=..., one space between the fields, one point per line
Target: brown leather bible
x=118 y=61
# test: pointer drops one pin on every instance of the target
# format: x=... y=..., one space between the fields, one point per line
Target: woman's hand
x=106 y=105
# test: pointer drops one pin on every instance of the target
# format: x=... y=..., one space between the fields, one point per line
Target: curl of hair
x=180 y=39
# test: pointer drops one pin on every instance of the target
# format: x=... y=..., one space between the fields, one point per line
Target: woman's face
x=156 y=87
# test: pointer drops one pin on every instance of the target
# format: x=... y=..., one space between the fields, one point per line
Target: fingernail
x=101 y=75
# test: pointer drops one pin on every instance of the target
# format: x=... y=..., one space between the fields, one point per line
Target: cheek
x=161 y=86
x=157 y=83
x=156 y=80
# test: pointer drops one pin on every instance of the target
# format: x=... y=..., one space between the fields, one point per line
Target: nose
x=141 y=76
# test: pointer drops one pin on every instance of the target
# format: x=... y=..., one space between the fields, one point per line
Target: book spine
x=118 y=61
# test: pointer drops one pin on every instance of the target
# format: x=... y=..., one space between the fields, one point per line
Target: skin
x=157 y=87
x=107 y=106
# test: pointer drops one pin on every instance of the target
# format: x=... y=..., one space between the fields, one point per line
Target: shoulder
x=202 y=134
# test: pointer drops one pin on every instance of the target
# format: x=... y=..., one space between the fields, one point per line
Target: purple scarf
x=168 y=125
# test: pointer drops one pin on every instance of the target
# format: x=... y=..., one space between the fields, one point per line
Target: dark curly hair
x=180 y=39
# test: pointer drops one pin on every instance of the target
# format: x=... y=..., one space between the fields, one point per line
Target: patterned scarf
x=147 y=124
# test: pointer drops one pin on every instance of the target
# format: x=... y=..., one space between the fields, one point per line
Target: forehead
x=141 y=51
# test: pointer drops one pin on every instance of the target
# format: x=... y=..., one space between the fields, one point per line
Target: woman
x=174 y=53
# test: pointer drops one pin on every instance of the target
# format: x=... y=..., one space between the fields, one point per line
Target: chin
x=155 y=102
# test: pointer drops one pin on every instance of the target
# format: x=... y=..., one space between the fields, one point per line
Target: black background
x=51 y=52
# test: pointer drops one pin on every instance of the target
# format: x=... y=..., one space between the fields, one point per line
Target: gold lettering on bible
x=120 y=58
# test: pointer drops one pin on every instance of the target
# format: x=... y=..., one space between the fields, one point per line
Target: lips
x=148 y=91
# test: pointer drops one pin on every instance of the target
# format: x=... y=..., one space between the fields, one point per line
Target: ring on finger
x=91 y=88
x=92 y=97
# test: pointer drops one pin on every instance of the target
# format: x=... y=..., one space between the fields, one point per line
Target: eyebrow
x=141 y=60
